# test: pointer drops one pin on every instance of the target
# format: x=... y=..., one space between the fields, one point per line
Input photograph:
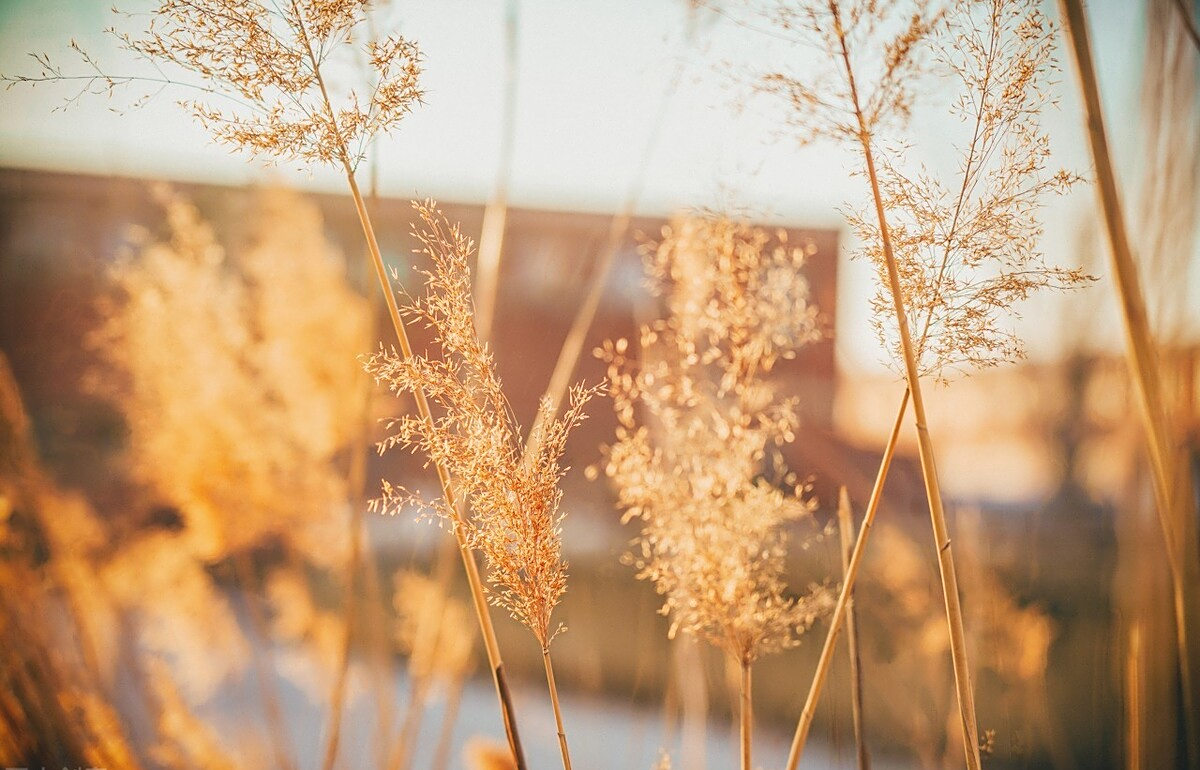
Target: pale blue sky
x=591 y=74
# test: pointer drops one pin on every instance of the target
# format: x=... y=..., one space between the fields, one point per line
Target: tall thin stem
x=970 y=168
x=839 y=609
x=1185 y=15
x=937 y=515
x=1171 y=489
x=377 y=624
x=558 y=720
x=846 y=531
x=572 y=347
x=474 y=579
x=495 y=213
x=950 y=595
x=746 y=714
x=337 y=697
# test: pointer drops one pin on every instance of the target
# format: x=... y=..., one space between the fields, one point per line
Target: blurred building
x=58 y=232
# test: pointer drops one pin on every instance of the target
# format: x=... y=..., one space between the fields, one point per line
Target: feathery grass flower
x=698 y=419
x=515 y=518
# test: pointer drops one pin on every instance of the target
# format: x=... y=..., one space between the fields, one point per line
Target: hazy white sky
x=591 y=74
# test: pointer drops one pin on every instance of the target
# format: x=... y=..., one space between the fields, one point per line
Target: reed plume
x=55 y=707
x=272 y=398
x=275 y=340
x=966 y=245
x=951 y=254
x=67 y=637
x=698 y=422
x=862 y=95
x=516 y=520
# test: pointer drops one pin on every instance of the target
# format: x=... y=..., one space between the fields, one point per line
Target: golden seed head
x=697 y=423
x=514 y=499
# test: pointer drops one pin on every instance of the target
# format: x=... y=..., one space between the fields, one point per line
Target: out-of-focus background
x=208 y=491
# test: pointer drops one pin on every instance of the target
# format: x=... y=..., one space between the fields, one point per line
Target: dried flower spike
x=697 y=419
x=948 y=256
x=966 y=245
x=470 y=433
x=690 y=466
x=516 y=520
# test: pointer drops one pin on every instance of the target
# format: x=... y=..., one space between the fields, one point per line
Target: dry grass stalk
x=1189 y=22
x=495 y=213
x=713 y=539
x=838 y=616
x=1168 y=206
x=516 y=521
x=846 y=532
x=618 y=230
x=843 y=28
x=951 y=255
x=745 y=715
x=1133 y=699
x=269 y=62
x=1173 y=498
x=362 y=579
